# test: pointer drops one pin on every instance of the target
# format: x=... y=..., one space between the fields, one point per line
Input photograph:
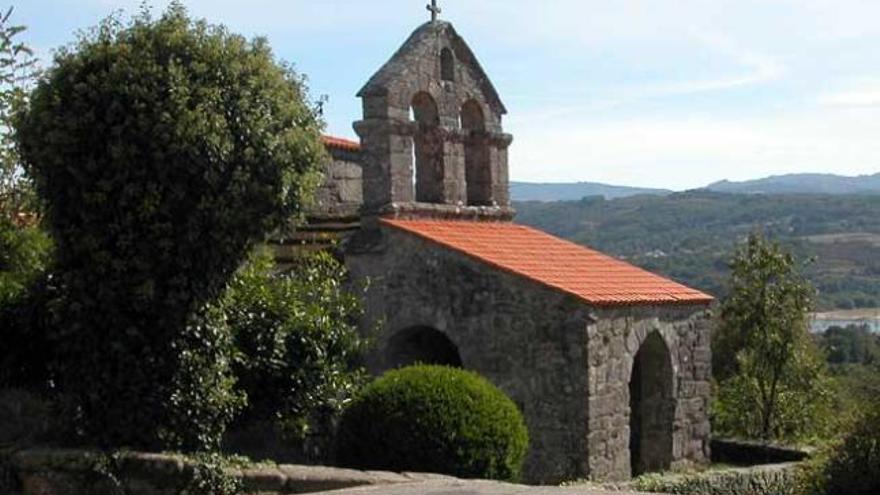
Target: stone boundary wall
x=746 y=453
x=79 y=472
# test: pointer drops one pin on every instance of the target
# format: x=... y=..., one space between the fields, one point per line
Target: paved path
x=463 y=487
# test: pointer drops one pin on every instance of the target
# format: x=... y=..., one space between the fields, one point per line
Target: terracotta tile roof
x=582 y=272
x=341 y=143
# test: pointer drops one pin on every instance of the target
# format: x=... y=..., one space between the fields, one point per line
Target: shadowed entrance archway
x=652 y=407
x=423 y=345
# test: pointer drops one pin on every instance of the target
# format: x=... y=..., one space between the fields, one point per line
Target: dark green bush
x=299 y=351
x=434 y=419
x=853 y=466
x=164 y=149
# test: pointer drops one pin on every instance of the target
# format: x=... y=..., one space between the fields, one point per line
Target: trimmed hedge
x=164 y=150
x=777 y=479
x=434 y=419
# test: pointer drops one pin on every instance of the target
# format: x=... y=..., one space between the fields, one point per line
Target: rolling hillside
x=690 y=236
x=528 y=191
x=803 y=184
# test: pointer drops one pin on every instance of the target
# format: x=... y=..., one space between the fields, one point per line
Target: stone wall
x=340 y=194
x=528 y=340
x=532 y=342
x=78 y=472
x=615 y=339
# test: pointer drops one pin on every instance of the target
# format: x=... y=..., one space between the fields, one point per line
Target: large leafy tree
x=17 y=69
x=164 y=149
x=772 y=377
x=23 y=246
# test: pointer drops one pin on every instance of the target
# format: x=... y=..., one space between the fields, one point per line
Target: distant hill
x=803 y=184
x=690 y=236
x=528 y=191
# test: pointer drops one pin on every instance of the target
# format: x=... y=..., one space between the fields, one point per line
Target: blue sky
x=667 y=93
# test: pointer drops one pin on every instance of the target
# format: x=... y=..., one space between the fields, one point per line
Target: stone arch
x=652 y=402
x=478 y=173
x=421 y=344
x=447 y=65
x=427 y=149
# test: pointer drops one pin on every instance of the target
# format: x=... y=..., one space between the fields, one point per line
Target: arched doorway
x=652 y=407
x=423 y=345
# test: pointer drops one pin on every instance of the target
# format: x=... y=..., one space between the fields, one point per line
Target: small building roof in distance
x=589 y=275
x=341 y=143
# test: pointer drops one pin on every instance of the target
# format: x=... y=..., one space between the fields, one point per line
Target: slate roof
x=587 y=274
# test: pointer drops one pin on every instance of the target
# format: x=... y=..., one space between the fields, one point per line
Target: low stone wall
x=746 y=453
x=77 y=472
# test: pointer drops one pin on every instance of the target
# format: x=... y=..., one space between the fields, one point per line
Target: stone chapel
x=610 y=364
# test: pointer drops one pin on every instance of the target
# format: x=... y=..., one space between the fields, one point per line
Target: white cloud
x=861 y=92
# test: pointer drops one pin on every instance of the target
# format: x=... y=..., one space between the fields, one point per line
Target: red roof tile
x=341 y=143
x=582 y=272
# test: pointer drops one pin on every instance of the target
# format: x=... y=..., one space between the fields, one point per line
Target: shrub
x=298 y=348
x=853 y=466
x=760 y=480
x=164 y=149
x=435 y=419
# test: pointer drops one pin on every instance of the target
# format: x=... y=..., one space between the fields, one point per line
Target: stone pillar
x=386 y=154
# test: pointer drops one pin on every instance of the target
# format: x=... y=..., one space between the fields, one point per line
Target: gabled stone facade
x=611 y=371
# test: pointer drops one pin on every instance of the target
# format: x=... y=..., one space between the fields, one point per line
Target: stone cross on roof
x=434 y=9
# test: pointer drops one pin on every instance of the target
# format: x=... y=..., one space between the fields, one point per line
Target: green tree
x=25 y=248
x=772 y=379
x=164 y=150
x=17 y=70
x=299 y=350
x=853 y=344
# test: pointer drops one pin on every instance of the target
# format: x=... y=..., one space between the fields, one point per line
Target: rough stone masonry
x=609 y=364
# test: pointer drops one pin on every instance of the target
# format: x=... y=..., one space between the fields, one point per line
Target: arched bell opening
x=427 y=150
x=478 y=172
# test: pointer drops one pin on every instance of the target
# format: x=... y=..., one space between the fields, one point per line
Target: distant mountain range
x=803 y=184
x=528 y=191
x=780 y=184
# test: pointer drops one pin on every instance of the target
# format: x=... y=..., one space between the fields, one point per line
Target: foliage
x=689 y=236
x=25 y=249
x=164 y=150
x=435 y=419
x=853 y=344
x=209 y=477
x=299 y=350
x=773 y=383
x=27 y=419
x=25 y=252
x=17 y=69
x=853 y=466
x=772 y=481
